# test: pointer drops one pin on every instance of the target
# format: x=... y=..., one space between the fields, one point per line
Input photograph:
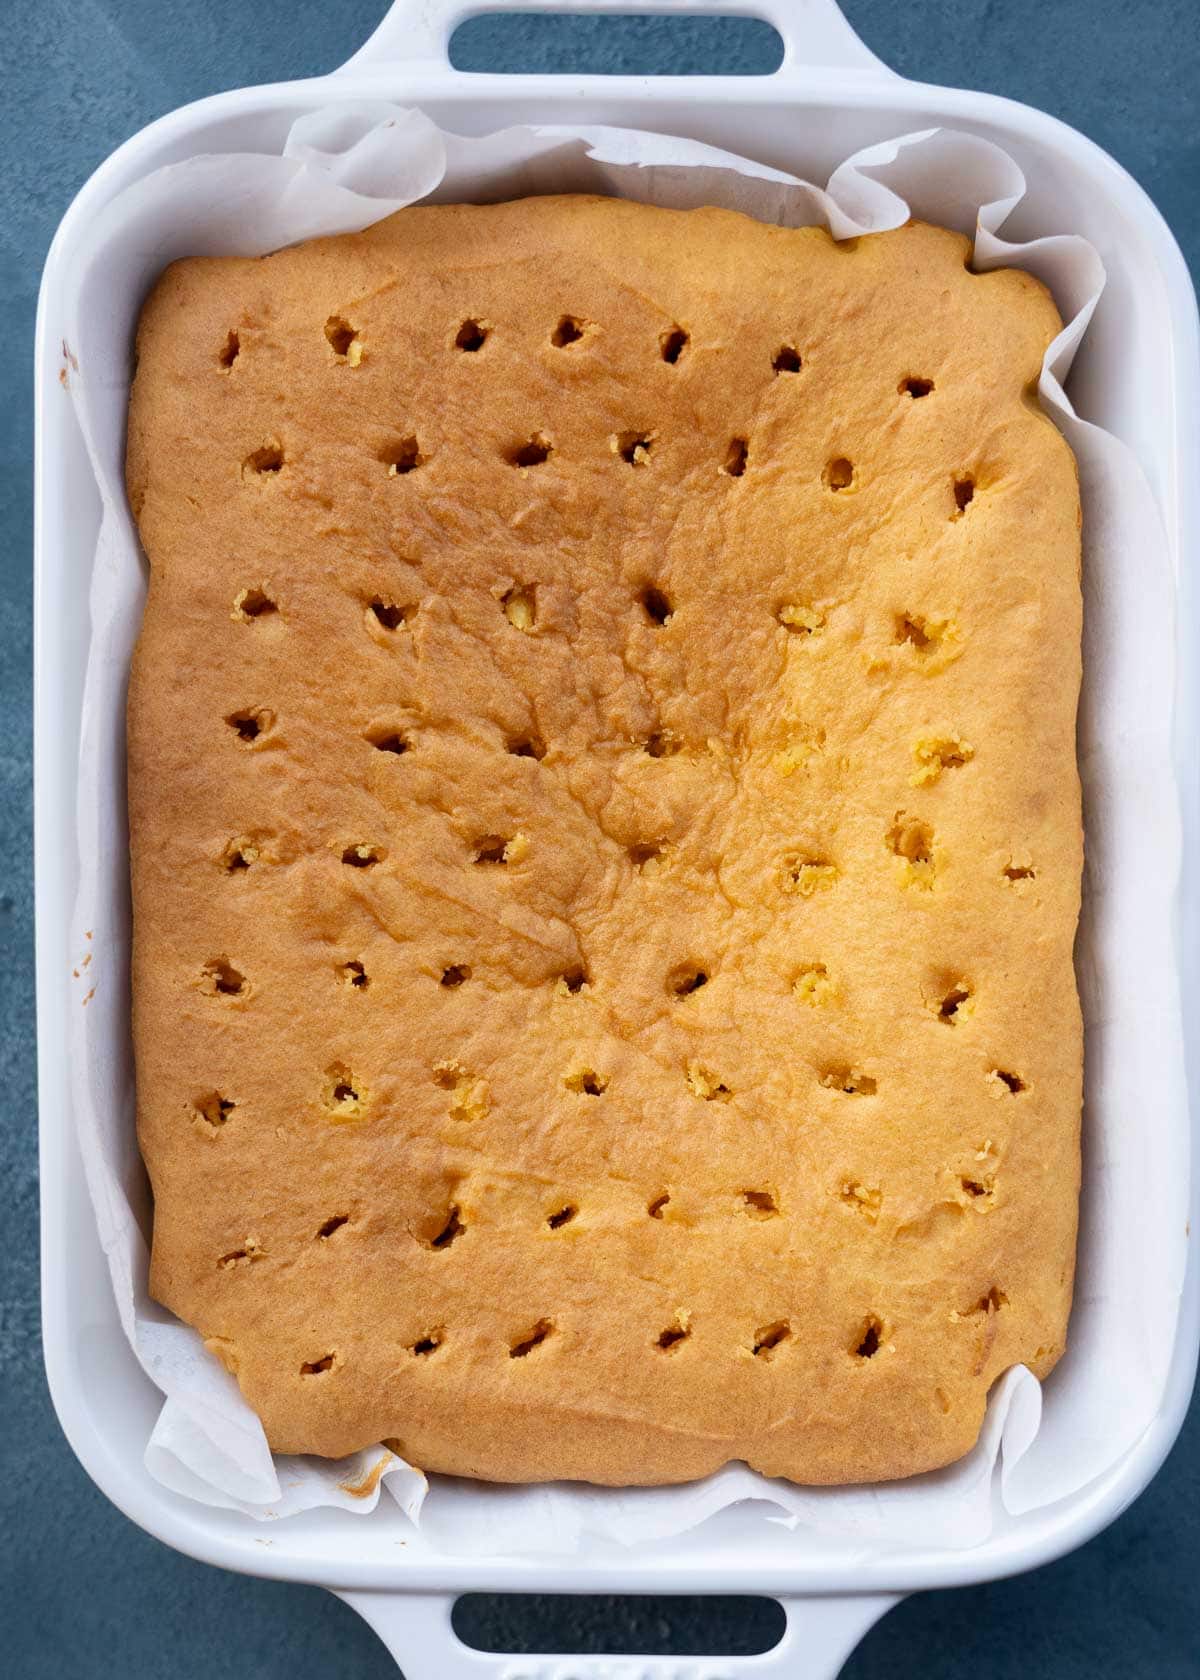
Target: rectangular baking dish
x=1139 y=379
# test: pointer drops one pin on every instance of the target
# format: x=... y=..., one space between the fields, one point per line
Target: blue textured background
x=82 y=1592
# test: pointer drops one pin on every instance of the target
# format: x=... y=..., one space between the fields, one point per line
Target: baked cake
x=606 y=839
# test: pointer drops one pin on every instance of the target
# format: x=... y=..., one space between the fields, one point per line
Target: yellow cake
x=606 y=839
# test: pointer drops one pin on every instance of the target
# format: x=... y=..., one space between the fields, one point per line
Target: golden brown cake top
x=606 y=838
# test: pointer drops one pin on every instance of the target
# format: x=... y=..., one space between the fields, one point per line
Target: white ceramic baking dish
x=1139 y=379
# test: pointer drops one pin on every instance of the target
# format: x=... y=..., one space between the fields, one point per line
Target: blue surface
x=82 y=1592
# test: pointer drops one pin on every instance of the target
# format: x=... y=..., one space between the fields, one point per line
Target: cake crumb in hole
x=912 y=630
x=533 y=1338
x=839 y=474
x=799 y=619
x=977 y=1189
x=343 y=339
x=402 y=455
x=662 y=743
x=932 y=754
x=656 y=605
x=520 y=606
x=239 y=855
x=862 y=1199
x=455 y=975
x=1002 y=1082
x=472 y=336
x=563 y=1216
x=786 y=359
x=452 y=1228
x=912 y=841
x=633 y=447
x=572 y=981
x=586 y=1082
x=760 y=1204
x=706 y=1085
x=736 y=457
x=220 y=979
x=808 y=875
x=342 y=1095
x=957 y=1003
x=470 y=1098
x=230 y=350
x=316 y=1367
x=268 y=459
x=252 y=603
x=769 y=1337
x=532 y=453
x=814 y=986
x=429 y=1343
x=526 y=746
x=249 y=726
x=362 y=856
x=646 y=855
x=867 y=1339
x=927 y=637
x=675 y=1333
x=354 y=974
x=685 y=979
x=915 y=387
x=388 y=740
x=494 y=848
x=848 y=1080
x=333 y=1224
x=390 y=616
x=672 y=344
x=568 y=331
x=213 y=1108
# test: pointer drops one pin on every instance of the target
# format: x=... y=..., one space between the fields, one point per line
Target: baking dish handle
x=820 y=1634
x=815 y=35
